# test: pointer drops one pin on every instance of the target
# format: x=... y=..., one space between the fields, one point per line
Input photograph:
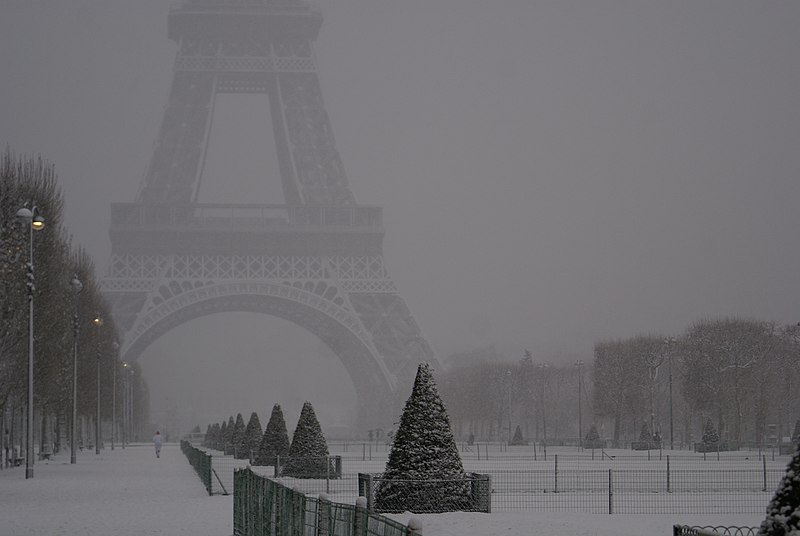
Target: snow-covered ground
x=130 y=492
x=120 y=492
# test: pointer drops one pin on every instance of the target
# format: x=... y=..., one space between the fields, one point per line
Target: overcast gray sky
x=552 y=172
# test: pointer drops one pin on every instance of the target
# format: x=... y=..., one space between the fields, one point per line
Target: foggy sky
x=552 y=172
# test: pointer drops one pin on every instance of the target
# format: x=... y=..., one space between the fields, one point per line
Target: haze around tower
x=552 y=173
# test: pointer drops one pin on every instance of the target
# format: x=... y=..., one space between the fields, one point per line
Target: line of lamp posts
x=35 y=221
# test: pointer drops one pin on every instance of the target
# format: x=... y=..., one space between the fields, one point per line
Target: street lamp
x=131 y=423
x=125 y=434
x=508 y=387
x=98 y=322
x=542 y=371
x=35 y=221
x=115 y=347
x=579 y=364
x=77 y=286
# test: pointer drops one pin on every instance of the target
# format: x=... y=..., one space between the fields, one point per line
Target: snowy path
x=124 y=492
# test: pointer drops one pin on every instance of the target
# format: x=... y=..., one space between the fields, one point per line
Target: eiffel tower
x=316 y=260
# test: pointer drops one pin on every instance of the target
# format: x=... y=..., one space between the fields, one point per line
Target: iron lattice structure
x=316 y=260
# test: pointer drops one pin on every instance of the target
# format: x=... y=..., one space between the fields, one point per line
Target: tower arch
x=316 y=260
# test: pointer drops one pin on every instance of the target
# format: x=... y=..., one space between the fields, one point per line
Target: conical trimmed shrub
x=238 y=438
x=252 y=435
x=275 y=441
x=223 y=436
x=645 y=435
x=308 y=453
x=783 y=512
x=424 y=449
x=710 y=435
x=216 y=441
x=207 y=438
x=518 y=439
x=228 y=437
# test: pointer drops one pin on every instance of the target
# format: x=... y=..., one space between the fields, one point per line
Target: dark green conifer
x=308 y=453
x=710 y=435
x=252 y=435
x=207 y=437
x=783 y=512
x=424 y=449
x=223 y=436
x=275 y=442
x=238 y=438
x=645 y=435
x=518 y=439
x=229 y=435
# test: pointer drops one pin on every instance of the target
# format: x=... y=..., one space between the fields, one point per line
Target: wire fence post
x=328 y=460
x=669 y=489
x=610 y=491
x=764 y=465
x=556 y=475
x=360 y=517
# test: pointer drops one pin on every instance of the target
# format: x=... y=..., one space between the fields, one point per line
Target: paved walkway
x=120 y=492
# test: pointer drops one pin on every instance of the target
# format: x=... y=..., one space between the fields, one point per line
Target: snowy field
x=130 y=492
x=577 y=483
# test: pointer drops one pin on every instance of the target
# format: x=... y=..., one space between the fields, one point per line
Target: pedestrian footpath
x=122 y=492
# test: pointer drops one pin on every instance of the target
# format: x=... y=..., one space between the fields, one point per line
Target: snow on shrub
x=424 y=449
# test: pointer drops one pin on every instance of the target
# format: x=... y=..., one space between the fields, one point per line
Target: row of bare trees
x=741 y=373
x=60 y=311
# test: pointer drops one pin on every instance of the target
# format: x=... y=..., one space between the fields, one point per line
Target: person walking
x=157 y=443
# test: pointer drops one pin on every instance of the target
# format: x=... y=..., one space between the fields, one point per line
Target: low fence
x=621 y=491
x=738 y=485
x=200 y=461
x=472 y=493
x=264 y=507
x=685 y=530
x=214 y=468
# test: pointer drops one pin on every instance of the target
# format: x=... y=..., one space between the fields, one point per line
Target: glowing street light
x=35 y=221
x=97 y=321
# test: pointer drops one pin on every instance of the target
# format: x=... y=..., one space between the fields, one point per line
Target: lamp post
x=114 y=347
x=508 y=387
x=35 y=221
x=578 y=365
x=131 y=423
x=542 y=371
x=98 y=322
x=124 y=404
x=77 y=286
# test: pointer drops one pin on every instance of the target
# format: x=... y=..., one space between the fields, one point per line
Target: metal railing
x=471 y=493
x=708 y=530
x=239 y=216
x=262 y=506
x=566 y=483
x=631 y=491
x=200 y=461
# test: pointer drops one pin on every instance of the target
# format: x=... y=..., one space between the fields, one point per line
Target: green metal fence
x=201 y=463
x=263 y=507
